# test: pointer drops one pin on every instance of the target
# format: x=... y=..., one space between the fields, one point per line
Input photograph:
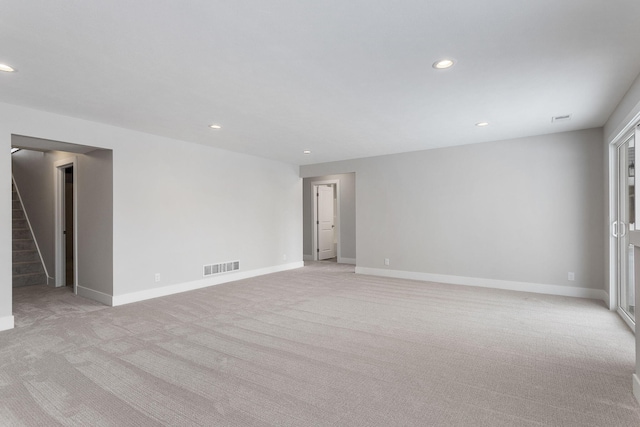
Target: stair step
x=21 y=234
x=29 y=267
x=26 y=264
x=23 y=244
x=29 y=279
x=25 y=256
x=18 y=224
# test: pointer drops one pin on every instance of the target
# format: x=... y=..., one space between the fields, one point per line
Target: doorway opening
x=66 y=256
x=337 y=243
x=326 y=220
x=69 y=220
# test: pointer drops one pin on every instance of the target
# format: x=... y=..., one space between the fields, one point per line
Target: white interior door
x=326 y=226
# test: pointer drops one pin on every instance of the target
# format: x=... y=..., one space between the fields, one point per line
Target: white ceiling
x=343 y=78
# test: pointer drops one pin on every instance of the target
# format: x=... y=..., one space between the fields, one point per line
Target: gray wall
x=6 y=290
x=524 y=210
x=95 y=221
x=347 y=213
x=176 y=205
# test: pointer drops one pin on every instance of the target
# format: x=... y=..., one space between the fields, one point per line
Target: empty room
x=332 y=213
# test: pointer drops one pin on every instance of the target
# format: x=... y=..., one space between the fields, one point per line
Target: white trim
x=613 y=244
x=636 y=387
x=60 y=271
x=346 y=260
x=199 y=284
x=626 y=319
x=537 y=288
x=630 y=128
x=307 y=257
x=24 y=210
x=633 y=122
x=314 y=217
x=6 y=323
x=95 y=295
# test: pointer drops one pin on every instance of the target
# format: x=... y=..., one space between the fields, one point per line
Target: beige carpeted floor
x=318 y=346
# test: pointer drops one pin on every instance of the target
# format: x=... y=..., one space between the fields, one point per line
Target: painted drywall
x=195 y=205
x=95 y=221
x=347 y=214
x=527 y=210
x=178 y=205
x=6 y=291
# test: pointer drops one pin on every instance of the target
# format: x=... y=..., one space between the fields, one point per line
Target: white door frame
x=314 y=217
x=613 y=202
x=59 y=180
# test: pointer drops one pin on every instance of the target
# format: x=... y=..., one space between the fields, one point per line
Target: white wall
x=180 y=206
x=6 y=291
x=176 y=205
x=520 y=213
x=95 y=222
x=347 y=214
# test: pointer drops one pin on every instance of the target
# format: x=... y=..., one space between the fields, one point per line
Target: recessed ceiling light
x=215 y=126
x=482 y=124
x=306 y=152
x=443 y=63
x=6 y=68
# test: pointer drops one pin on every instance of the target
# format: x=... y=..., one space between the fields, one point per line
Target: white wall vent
x=223 y=267
x=559 y=119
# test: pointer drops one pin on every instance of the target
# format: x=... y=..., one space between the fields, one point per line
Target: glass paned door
x=624 y=223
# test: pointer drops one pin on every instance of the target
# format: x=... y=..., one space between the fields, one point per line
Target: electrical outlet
x=571 y=276
x=386 y=261
x=284 y=257
x=157 y=277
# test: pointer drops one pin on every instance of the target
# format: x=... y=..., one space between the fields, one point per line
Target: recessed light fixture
x=482 y=124
x=443 y=63
x=6 y=68
x=215 y=126
x=306 y=152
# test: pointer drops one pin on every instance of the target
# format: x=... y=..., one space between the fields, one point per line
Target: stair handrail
x=24 y=210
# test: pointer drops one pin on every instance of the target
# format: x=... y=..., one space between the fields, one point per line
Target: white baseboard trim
x=636 y=387
x=307 y=257
x=199 y=284
x=538 y=288
x=95 y=295
x=342 y=260
x=6 y=323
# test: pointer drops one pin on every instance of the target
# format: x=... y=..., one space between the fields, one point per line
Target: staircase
x=27 y=267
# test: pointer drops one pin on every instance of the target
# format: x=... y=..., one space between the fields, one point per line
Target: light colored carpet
x=318 y=346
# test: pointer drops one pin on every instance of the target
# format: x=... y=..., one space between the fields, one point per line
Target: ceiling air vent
x=560 y=119
x=223 y=267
